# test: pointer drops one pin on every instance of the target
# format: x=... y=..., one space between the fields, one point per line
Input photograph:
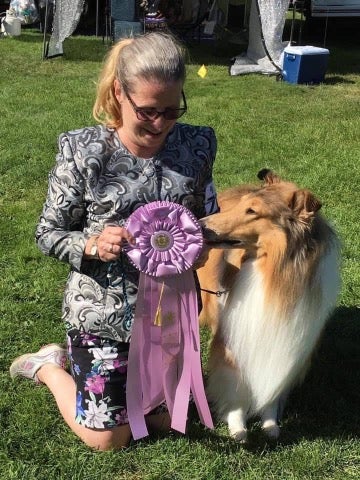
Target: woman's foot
x=28 y=364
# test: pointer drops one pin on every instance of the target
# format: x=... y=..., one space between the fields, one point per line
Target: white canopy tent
x=266 y=24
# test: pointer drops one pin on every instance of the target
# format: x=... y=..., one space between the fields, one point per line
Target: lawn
x=308 y=134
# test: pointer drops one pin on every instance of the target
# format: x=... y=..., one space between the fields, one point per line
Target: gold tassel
x=158 y=316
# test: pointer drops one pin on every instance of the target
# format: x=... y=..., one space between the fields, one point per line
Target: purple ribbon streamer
x=164 y=361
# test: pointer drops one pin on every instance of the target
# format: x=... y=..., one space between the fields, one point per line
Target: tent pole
x=45 y=29
x=301 y=22
x=326 y=28
x=246 y=14
x=97 y=19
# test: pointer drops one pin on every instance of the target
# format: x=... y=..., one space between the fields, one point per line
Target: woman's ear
x=117 y=90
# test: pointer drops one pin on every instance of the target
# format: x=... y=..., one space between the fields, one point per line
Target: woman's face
x=145 y=138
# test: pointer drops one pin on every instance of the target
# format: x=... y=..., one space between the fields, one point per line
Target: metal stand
x=107 y=33
x=297 y=5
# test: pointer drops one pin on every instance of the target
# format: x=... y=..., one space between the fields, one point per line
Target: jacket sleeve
x=207 y=183
x=60 y=229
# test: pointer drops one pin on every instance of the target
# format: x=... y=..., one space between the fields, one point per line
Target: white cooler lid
x=306 y=50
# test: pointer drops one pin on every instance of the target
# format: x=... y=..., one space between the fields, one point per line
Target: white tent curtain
x=265 y=48
x=66 y=18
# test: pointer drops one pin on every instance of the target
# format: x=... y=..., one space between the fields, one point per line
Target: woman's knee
x=112 y=439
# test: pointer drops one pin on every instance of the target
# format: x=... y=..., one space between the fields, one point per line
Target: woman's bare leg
x=62 y=386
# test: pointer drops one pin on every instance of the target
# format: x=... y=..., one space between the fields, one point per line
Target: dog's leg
x=229 y=401
x=226 y=390
x=236 y=420
x=269 y=420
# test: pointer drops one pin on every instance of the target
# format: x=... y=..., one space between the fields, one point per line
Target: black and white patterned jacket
x=97 y=182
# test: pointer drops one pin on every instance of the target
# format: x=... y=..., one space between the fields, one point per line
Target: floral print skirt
x=99 y=368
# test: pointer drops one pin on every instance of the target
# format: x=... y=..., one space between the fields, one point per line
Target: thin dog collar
x=218 y=293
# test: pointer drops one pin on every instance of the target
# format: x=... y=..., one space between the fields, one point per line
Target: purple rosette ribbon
x=164 y=357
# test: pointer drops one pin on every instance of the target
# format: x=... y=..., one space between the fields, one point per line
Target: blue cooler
x=305 y=64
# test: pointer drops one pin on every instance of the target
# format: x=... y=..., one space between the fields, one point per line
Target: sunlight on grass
x=309 y=135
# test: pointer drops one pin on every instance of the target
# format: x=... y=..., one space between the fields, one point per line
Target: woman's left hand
x=110 y=242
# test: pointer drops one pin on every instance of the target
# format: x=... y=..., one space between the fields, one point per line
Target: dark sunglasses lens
x=170 y=114
x=147 y=115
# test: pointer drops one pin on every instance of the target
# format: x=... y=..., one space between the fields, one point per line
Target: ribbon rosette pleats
x=164 y=357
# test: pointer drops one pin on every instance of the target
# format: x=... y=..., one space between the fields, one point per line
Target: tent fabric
x=265 y=49
x=67 y=14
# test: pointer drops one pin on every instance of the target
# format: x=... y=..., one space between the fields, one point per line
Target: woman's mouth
x=153 y=134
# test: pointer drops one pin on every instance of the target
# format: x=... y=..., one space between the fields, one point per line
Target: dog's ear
x=268 y=176
x=304 y=204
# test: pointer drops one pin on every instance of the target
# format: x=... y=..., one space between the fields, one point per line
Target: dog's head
x=248 y=212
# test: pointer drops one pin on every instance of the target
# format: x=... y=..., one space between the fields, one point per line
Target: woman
x=138 y=154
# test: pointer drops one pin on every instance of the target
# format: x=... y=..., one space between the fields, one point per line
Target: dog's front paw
x=238 y=435
x=236 y=420
x=272 y=431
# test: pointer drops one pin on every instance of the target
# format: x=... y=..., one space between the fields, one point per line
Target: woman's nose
x=159 y=122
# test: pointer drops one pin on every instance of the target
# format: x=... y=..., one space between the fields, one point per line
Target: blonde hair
x=155 y=56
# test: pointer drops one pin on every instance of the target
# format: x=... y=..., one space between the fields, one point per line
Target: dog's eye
x=250 y=211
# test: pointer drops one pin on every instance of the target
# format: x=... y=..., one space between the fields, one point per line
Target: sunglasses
x=148 y=114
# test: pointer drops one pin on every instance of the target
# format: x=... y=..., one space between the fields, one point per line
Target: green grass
x=309 y=135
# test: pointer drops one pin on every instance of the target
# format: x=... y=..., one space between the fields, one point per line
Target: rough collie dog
x=268 y=287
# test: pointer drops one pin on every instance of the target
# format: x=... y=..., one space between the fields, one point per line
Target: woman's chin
x=151 y=138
